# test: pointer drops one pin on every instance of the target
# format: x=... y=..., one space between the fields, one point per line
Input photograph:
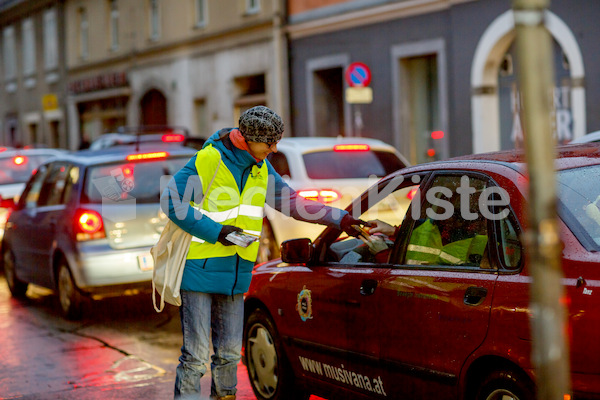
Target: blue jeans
x=200 y=314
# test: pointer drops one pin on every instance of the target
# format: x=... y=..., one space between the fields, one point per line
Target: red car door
x=329 y=313
x=437 y=298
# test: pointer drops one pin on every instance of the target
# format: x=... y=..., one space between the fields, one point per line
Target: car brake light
x=2 y=149
x=147 y=156
x=172 y=138
x=351 y=147
x=323 y=195
x=88 y=225
x=19 y=160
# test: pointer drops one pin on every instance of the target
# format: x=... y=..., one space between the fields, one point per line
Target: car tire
x=268 y=248
x=506 y=385
x=17 y=287
x=69 y=298
x=269 y=370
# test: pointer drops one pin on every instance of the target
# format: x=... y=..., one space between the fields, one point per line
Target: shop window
x=328 y=102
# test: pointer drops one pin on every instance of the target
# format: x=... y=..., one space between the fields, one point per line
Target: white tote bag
x=169 y=256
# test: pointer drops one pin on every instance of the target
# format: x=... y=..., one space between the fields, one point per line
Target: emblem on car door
x=304 y=304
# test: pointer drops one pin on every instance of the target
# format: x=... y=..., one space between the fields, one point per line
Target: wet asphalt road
x=121 y=349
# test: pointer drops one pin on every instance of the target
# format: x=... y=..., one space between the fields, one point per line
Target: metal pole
x=536 y=81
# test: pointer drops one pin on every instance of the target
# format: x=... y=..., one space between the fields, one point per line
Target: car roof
x=32 y=152
x=120 y=153
x=590 y=137
x=304 y=144
x=567 y=157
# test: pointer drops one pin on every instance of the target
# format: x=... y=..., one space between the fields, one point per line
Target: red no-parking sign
x=358 y=75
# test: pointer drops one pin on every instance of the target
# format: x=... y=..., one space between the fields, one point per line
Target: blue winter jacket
x=232 y=274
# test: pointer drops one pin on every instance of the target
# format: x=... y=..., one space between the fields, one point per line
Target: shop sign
x=49 y=102
x=100 y=82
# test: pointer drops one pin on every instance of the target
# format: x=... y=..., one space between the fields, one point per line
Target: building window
x=252 y=6
x=201 y=13
x=50 y=40
x=83 y=34
x=28 y=47
x=9 y=53
x=114 y=25
x=154 y=20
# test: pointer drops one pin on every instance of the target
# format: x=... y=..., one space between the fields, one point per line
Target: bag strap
x=167 y=269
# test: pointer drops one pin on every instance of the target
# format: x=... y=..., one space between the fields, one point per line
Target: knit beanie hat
x=261 y=124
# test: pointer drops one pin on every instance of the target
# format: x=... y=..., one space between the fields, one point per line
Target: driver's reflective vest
x=425 y=247
x=223 y=203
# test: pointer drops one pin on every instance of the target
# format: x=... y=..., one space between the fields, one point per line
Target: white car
x=16 y=166
x=332 y=170
x=590 y=137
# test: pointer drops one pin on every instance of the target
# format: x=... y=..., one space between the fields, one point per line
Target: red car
x=440 y=308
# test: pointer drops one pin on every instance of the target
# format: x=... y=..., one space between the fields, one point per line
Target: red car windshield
x=579 y=195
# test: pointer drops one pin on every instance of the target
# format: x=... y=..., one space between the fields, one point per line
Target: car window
x=54 y=185
x=579 y=201
x=18 y=168
x=350 y=164
x=32 y=190
x=511 y=250
x=452 y=229
x=280 y=163
x=388 y=204
x=129 y=180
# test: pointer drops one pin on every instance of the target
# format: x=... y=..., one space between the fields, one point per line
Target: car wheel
x=268 y=248
x=269 y=370
x=506 y=385
x=68 y=295
x=17 y=287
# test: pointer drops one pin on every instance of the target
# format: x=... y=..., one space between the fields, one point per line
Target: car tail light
x=20 y=160
x=351 y=147
x=172 y=138
x=147 y=156
x=323 y=195
x=88 y=225
x=2 y=149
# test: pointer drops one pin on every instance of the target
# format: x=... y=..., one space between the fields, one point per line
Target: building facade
x=443 y=72
x=33 y=73
x=192 y=63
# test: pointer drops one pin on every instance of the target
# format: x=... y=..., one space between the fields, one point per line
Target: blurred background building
x=443 y=71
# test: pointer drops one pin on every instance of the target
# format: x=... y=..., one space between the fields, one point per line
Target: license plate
x=145 y=262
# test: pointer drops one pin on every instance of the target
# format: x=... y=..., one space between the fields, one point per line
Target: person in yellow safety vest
x=233 y=173
x=425 y=247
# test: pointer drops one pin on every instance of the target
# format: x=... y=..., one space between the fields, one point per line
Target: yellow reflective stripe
x=450 y=258
x=252 y=211
x=423 y=249
x=244 y=210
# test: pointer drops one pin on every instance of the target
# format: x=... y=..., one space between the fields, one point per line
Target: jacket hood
x=240 y=158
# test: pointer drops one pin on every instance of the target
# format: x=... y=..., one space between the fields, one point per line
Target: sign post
x=358 y=77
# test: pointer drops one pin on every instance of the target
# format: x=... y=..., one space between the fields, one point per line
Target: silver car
x=85 y=223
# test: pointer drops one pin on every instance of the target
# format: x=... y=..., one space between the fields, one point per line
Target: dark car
x=86 y=221
x=442 y=311
x=143 y=135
